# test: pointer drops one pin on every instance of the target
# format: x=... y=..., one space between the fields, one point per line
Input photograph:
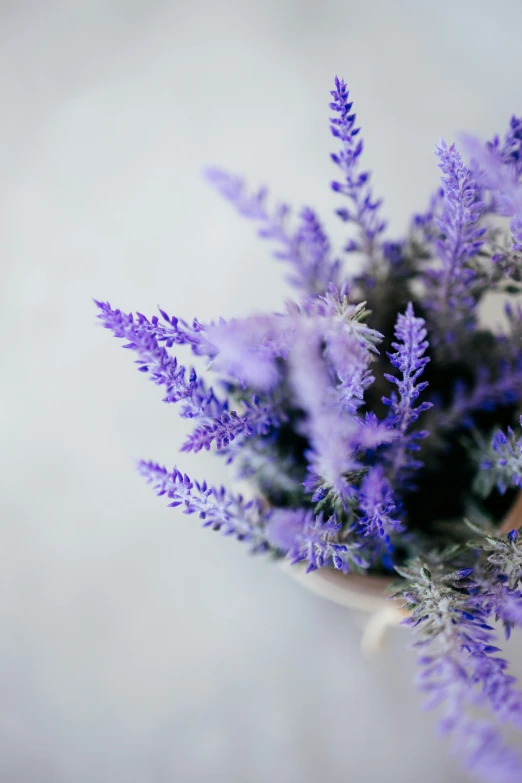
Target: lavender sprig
x=173 y=331
x=498 y=574
x=364 y=209
x=247 y=349
x=307 y=248
x=218 y=424
x=351 y=359
x=258 y=419
x=510 y=150
x=219 y=509
x=460 y=667
x=164 y=370
x=503 y=604
x=409 y=359
x=332 y=454
x=302 y=537
x=309 y=251
x=450 y=299
x=377 y=506
x=497 y=173
x=503 y=556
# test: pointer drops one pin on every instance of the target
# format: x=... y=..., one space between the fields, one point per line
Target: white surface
x=136 y=647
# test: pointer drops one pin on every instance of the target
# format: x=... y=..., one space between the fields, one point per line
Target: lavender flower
x=247 y=349
x=223 y=430
x=377 y=506
x=409 y=359
x=364 y=209
x=350 y=357
x=218 y=508
x=153 y=359
x=497 y=172
x=301 y=537
x=508 y=608
x=503 y=556
x=451 y=300
x=332 y=456
x=496 y=599
x=329 y=331
x=511 y=150
x=172 y=331
x=307 y=249
x=460 y=667
x=218 y=424
x=310 y=252
x=498 y=574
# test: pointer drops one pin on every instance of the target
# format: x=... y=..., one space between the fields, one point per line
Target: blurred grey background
x=136 y=647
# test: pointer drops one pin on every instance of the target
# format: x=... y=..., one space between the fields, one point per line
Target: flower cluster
x=374 y=411
x=460 y=667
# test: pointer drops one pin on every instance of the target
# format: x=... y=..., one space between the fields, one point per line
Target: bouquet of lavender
x=374 y=414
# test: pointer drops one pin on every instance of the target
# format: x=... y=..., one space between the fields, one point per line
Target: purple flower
x=219 y=509
x=363 y=211
x=512 y=149
x=450 y=298
x=350 y=358
x=373 y=433
x=508 y=609
x=499 y=601
x=217 y=424
x=307 y=249
x=246 y=349
x=233 y=189
x=503 y=556
x=258 y=418
x=302 y=537
x=410 y=360
x=331 y=458
x=460 y=667
x=497 y=172
x=310 y=253
x=326 y=349
x=377 y=507
x=153 y=358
